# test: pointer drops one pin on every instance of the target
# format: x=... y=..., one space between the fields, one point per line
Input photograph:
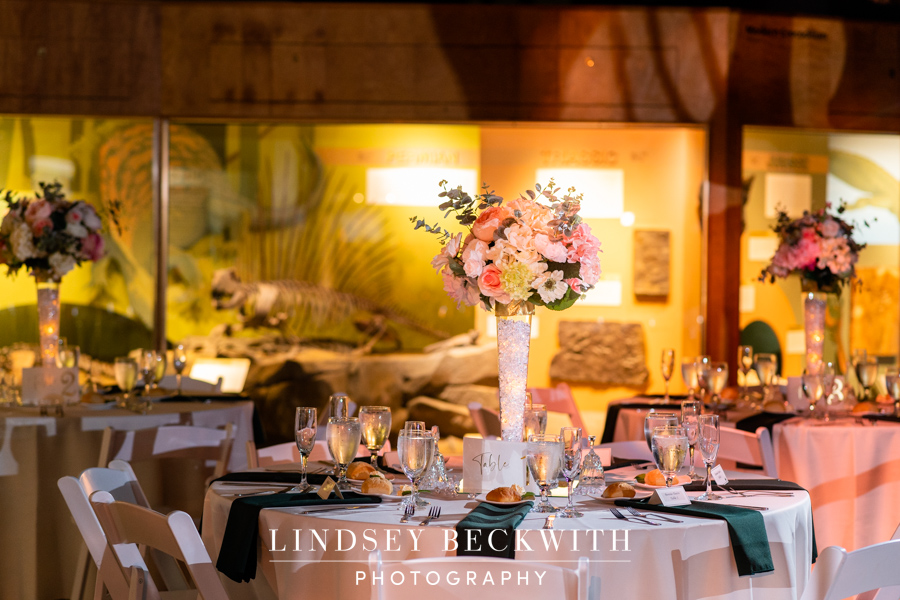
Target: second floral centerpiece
x=534 y=250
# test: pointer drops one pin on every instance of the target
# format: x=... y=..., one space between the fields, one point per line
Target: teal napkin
x=746 y=529
x=237 y=558
x=486 y=518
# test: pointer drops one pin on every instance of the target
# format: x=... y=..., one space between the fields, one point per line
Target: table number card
x=50 y=385
x=489 y=464
x=327 y=486
x=672 y=496
x=718 y=475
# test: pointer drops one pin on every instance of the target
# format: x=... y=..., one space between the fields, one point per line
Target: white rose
x=22 y=242
x=76 y=230
x=90 y=220
x=61 y=263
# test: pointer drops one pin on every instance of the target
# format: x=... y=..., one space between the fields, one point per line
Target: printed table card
x=718 y=475
x=50 y=385
x=489 y=464
x=671 y=496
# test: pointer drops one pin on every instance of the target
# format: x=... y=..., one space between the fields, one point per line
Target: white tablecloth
x=692 y=559
x=39 y=542
x=852 y=472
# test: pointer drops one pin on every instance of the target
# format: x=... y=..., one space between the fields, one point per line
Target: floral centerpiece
x=534 y=250
x=48 y=235
x=819 y=247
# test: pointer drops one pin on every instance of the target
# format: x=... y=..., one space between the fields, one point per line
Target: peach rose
x=488 y=222
x=38 y=211
x=491 y=285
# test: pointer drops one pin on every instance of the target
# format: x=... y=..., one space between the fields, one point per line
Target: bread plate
x=516 y=503
x=637 y=496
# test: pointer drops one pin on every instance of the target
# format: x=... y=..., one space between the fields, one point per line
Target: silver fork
x=408 y=511
x=619 y=515
x=635 y=513
x=433 y=513
x=756 y=492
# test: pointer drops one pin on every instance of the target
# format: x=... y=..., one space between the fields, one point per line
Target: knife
x=331 y=508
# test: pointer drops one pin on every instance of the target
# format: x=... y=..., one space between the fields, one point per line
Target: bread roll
x=864 y=407
x=504 y=494
x=359 y=470
x=376 y=484
x=619 y=489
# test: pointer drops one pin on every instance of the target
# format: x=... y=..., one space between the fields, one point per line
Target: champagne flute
x=813 y=386
x=766 y=365
x=148 y=369
x=709 y=448
x=702 y=365
x=162 y=362
x=670 y=446
x=179 y=361
x=718 y=378
x=745 y=363
x=534 y=421
x=305 y=436
x=416 y=452
x=375 y=422
x=689 y=374
x=690 y=412
x=657 y=419
x=543 y=454
x=126 y=371
x=342 y=436
x=571 y=467
x=892 y=382
x=667 y=364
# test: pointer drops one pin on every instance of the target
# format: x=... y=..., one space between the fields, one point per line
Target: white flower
x=9 y=222
x=61 y=263
x=76 y=230
x=22 y=242
x=550 y=286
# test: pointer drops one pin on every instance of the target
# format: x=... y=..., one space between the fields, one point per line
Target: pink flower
x=520 y=236
x=92 y=247
x=581 y=243
x=488 y=222
x=463 y=290
x=590 y=270
x=473 y=257
x=39 y=227
x=530 y=213
x=447 y=252
x=577 y=285
x=491 y=285
x=38 y=211
x=553 y=251
x=829 y=228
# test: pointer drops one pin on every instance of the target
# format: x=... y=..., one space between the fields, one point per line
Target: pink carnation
x=581 y=243
x=553 y=251
x=577 y=285
x=590 y=270
x=92 y=247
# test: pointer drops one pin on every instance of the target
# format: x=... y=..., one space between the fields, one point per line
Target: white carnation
x=76 y=230
x=61 y=263
x=22 y=242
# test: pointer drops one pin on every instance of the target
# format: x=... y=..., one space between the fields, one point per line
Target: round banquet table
x=692 y=559
x=852 y=471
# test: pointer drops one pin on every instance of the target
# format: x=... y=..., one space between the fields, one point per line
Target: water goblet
x=148 y=369
x=179 y=362
x=375 y=422
x=342 y=436
x=745 y=364
x=534 y=420
x=125 y=370
x=416 y=452
x=667 y=364
x=543 y=454
x=670 y=446
x=162 y=362
x=571 y=467
x=657 y=419
x=305 y=437
x=867 y=372
x=689 y=375
x=813 y=387
x=703 y=365
x=690 y=412
x=709 y=448
x=414 y=426
x=766 y=365
x=892 y=382
x=68 y=356
x=858 y=357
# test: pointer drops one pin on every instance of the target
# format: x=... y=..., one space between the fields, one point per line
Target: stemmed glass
x=670 y=446
x=376 y=425
x=543 y=453
x=339 y=404
x=766 y=365
x=745 y=363
x=161 y=363
x=866 y=372
x=718 y=377
x=813 y=386
x=342 y=436
x=657 y=419
x=305 y=436
x=709 y=448
x=179 y=362
x=68 y=356
x=148 y=369
x=858 y=358
x=690 y=412
x=892 y=382
x=414 y=426
x=126 y=372
x=666 y=365
x=416 y=451
x=702 y=365
x=571 y=467
x=534 y=420
x=689 y=374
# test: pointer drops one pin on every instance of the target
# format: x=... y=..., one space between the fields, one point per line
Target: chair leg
x=81 y=570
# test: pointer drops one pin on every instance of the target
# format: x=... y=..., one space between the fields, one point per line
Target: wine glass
x=766 y=365
x=414 y=426
x=126 y=371
x=86 y=364
x=305 y=436
x=867 y=372
x=534 y=420
x=342 y=436
x=745 y=363
x=416 y=452
x=571 y=467
x=858 y=357
x=179 y=362
x=670 y=446
x=375 y=422
x=813 y=386
x=689 y=374
x=718 y=378
x=68 y=356
x=702 y=366
x=148 y=369
x=690 y=412
x=892 y=382
x=666 y=365
x=543 y=454
x=162 y=362
x=709 y=447
x=657 y=419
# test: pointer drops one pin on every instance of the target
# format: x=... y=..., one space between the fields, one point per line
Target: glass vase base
x=708 y=497
x=567 y=513
x=545 y=508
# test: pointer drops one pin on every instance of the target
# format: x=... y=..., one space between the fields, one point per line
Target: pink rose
x=92 y=247
x=553 y=251
x=38 y=211
x=488 y=222
x=577 y=285
x=38 y=227
x=473 y=257
x=829 y=228
x=491 y=285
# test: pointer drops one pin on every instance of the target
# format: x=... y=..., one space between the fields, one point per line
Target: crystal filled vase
x=513 y=341
x=815 y=306
x=48 y=318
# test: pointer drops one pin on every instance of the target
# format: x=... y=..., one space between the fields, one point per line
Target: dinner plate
x=388 y=476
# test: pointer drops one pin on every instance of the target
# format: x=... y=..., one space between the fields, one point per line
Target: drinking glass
x=858 y=357
x=702 y=365
x=892 y=382
x=416 y=452
x=534 y=420
x=342 y=436
x=718 y=378
x=375 y=422
x=709 y=447
x=86 y=364
x=68 y=356
x=305 y=436
x=148 y=368
x=670 y=446
x=543 y=454
x=745 y=363
x=813 y=386
x=414 y=426
x=571 y=467
x=126 y=372
x=666 y=365
x=592 y=477
x=179 y=362
x=689 y=374
x=690 y=412
x=161 y=363
x=657 y=419
x=339 y=404
x=766 y=365
x=867 y=372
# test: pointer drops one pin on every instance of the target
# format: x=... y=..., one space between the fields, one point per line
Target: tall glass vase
x=48 y=318
x=815 y=305
x=513 y=342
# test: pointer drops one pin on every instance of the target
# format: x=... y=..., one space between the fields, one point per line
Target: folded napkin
x=746 y=529
x=763 y=419
x=237 y=558
x=486 y=518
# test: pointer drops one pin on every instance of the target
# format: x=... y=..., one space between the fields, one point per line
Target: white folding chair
x=169 y=382
x=754 y=449
x=173 y=534
x=436 y=576
x=841 y=574
x=487 y=421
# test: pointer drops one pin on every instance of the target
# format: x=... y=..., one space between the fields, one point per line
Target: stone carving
x=651 y=263
x=601 y=353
